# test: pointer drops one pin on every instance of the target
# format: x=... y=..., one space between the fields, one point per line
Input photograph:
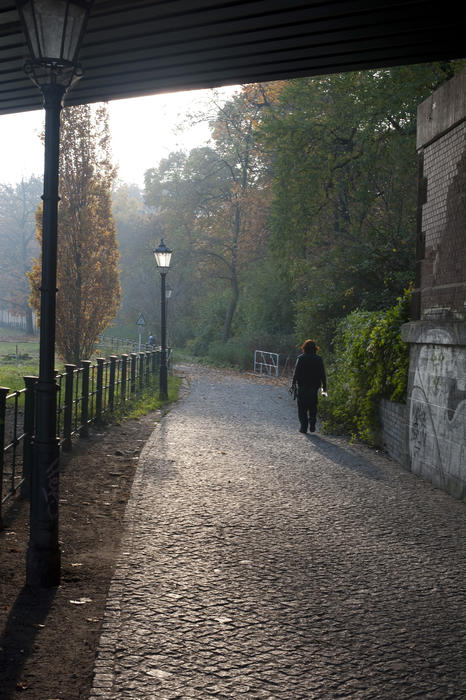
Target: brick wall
x=442 y=144
x=393 y=435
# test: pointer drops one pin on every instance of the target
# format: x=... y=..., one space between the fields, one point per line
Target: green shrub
x=371 y=363
x=234 y=353
x=239 y=351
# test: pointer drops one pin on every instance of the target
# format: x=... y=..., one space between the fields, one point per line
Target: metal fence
x=266 y=363
x=86 y=394
x=113 y=344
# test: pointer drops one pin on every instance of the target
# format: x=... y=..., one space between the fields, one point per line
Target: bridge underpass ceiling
x=146 y=47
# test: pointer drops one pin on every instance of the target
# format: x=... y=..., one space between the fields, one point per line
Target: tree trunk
x=231 y=309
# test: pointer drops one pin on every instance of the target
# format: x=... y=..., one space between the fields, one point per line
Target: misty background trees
x=299 y=211
x=18 y=245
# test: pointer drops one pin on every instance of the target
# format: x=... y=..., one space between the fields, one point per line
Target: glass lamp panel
x=54 y=27
x=162 y=256
x=163 y=259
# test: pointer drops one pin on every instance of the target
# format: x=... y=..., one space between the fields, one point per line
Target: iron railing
x=86 y=394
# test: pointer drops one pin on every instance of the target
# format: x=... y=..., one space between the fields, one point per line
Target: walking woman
x=309 y=375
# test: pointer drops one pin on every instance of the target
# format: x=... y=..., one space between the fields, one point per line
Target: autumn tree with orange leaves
x=87 y=272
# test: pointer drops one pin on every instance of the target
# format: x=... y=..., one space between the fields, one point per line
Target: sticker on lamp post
x=140 y=324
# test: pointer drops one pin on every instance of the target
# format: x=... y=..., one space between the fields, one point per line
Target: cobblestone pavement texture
x=262 y=563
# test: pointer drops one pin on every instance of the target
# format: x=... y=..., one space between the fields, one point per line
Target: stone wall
x=436 y=407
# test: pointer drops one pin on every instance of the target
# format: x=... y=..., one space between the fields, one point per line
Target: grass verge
x=12 y=376
x=148 y=401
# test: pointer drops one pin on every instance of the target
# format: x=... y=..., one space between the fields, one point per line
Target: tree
x=18 y=244
x=88 y=275
x=345 y=189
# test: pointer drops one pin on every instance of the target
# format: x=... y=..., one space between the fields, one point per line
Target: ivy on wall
x=370 y=363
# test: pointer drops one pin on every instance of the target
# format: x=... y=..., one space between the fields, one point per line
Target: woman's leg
x=302 y=414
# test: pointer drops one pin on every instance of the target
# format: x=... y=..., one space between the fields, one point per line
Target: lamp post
x=54 y=30
x=162 y=258
x=168 y=296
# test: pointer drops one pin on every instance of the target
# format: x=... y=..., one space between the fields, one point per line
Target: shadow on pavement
x=346 y=458
x=18 y=636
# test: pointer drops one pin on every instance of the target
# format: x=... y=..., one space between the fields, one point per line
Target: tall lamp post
x=54 y=30
x=162 y=258
x=168 y=296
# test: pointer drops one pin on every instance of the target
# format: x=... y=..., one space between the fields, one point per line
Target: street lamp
x=54 y=30
x=162 y=258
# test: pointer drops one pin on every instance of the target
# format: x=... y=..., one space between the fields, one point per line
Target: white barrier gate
x=266 y=363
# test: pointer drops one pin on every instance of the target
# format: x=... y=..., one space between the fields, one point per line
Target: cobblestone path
x=262 y=563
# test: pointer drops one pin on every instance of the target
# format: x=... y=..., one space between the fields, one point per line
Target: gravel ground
x=258 y=562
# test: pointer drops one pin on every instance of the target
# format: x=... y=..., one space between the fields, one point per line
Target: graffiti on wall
x=437 y=421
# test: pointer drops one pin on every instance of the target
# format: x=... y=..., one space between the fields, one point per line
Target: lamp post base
x=163 y=380
x=43 y=555
x=43 y=568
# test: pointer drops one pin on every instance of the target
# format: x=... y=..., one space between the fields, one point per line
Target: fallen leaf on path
x=81 y=601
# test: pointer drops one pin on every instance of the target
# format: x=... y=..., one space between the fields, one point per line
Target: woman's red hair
x=310 y=345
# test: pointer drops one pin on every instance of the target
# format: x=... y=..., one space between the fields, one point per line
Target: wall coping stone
x=424 y=332
x=442 y=111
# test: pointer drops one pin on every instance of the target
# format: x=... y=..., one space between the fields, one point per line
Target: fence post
x=148 y=354
x=124 y=365
x=133 y=371
x=84 y=430
x=68 y=413
x=99 y=390
x=154 y=364
x=28 y=429
x=111 y=388
x=141 y=370
x=3 y=394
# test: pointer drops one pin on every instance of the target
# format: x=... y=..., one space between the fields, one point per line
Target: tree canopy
x=300 y=209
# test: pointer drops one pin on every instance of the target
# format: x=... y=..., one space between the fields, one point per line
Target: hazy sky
x=143 y=131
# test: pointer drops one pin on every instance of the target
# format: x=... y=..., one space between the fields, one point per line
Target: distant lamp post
x=168 y=295
x=54 y=30
x=162 y=258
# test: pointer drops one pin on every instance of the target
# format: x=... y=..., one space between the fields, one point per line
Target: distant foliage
x=371 y=363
